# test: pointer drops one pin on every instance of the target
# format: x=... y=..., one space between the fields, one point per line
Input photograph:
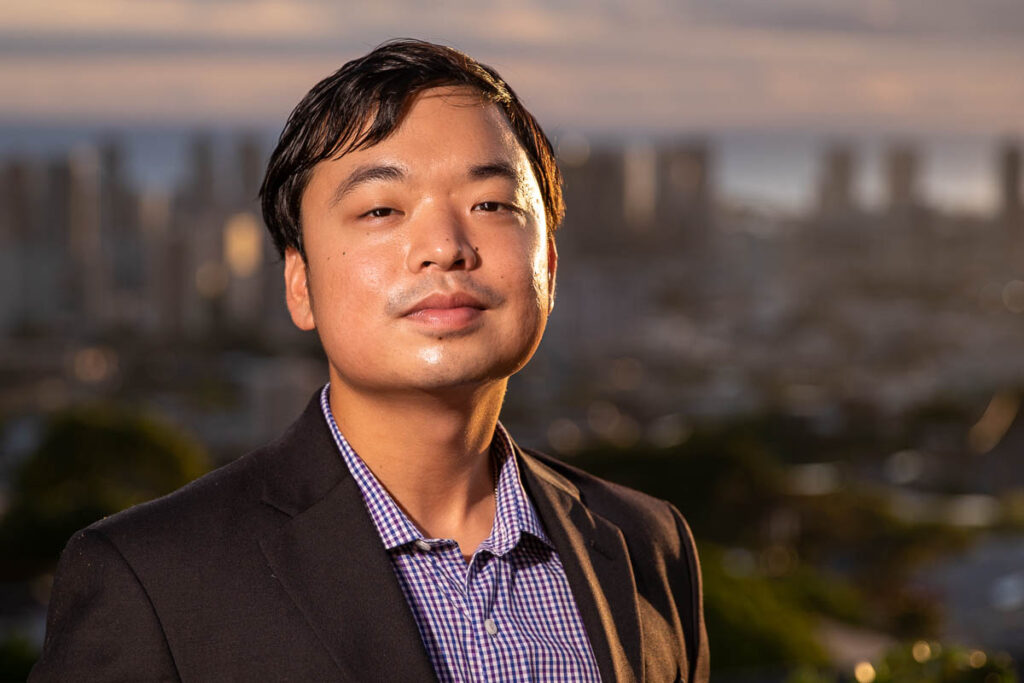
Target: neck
x=430 y=450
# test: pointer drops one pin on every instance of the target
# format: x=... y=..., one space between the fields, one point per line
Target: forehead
x=443 y=122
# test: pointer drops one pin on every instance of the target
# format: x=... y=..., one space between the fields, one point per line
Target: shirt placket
x=486 y=622
x=451 y=572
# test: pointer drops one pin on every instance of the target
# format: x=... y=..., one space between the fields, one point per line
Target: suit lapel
x=331 y=562
x=597 y=565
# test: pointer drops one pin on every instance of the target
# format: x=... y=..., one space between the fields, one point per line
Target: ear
x=296 y=289
x=552 y=271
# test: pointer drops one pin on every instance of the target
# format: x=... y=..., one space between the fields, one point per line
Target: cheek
x=541 y=275
x=535 y=274
x=526 y=279
x=527 y=270
x=345 y=288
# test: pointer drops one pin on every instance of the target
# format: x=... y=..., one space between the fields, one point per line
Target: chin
x=440 y=378
x=452 y=373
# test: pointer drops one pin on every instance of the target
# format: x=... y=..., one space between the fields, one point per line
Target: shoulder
x=215 y=515
x=247 y=496
x=642 y=518
x=662 y=553
x=215 y=495
x=120 y=570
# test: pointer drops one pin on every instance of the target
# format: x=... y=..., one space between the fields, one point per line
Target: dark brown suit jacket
x=270 y=569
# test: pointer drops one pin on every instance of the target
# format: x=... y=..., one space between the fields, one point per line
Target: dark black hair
x=363 y=102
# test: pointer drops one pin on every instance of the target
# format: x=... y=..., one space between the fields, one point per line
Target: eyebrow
x=367 y=174
x=390 y=172
x=496 y=169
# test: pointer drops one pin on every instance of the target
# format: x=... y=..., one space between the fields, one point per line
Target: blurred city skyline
x=772 y=82
x=766 y=170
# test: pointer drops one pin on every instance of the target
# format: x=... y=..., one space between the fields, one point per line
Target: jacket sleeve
x=690 y=600
x=101 y=625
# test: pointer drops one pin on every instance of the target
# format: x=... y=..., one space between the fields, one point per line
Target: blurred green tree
x=922 y=662
x=91 y=462
x=754 y=625
x=17 y=655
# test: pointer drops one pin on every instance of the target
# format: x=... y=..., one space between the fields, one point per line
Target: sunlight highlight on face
x=542 y=282
x=431 y=355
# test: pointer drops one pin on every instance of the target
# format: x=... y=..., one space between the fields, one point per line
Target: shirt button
x=490 y=627
x=422 y=545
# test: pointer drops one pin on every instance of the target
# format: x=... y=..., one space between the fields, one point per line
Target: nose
x=438 y=239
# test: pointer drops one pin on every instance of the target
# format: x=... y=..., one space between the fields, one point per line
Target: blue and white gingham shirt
x=509 y=614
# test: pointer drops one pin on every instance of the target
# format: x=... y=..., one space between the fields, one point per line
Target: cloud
x=988 y=18
x=933 y=65
x=224 y=20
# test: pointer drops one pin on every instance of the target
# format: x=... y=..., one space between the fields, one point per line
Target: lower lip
x=446 y=318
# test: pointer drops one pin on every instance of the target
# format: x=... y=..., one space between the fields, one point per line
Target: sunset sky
x=936 y=67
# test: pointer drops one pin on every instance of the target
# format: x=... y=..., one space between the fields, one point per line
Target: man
x=395 y=532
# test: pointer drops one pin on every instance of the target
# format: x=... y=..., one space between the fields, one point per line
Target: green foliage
x=714 y=472
x=752 y=624
x=923 y=662
x=810 y=674
x=91 y=462
x=938 y=664
x=729 y=480
x=819 y=593
x=17 y=655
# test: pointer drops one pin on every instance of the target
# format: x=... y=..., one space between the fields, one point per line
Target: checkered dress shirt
x=507 y=615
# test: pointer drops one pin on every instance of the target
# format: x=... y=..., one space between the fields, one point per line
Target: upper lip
x=442 y=301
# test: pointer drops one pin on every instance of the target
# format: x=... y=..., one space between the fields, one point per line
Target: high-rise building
x=836 y=199
x=161 y=255
x=685 y=194
x=203 y=188
x=88 y=268
x=1011 y=208
x=594 y=192
x=250 y=169
x=244 y=242
x=121 y=241
x=197 y=225
x=19 y=223
x=18 y=190
x=902 y=170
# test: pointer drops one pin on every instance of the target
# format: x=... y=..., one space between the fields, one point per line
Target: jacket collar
x=596 y=561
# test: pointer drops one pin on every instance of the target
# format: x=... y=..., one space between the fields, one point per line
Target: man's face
x=428 y=260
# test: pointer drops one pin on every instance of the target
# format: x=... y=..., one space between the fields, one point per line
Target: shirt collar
x=514 y=513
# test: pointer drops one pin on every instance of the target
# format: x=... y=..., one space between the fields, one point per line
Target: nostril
x=451 y=255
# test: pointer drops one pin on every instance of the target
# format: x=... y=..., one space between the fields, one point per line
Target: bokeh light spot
x=1013 y=296
x=864 y=672
x=243 y=244
x=564 y=436
x=921 y=651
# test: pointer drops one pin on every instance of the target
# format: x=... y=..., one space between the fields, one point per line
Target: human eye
x=379 y=212
x=496 y=207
